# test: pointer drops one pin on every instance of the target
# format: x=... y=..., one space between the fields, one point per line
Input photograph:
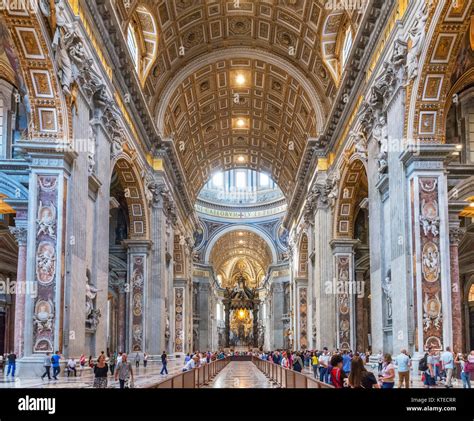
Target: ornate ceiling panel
x=238 y=245
x=189 y=28
x=262 y=124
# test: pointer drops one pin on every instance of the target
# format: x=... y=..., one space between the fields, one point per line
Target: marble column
x=344 y=291
x=302 y=314
x=427 y=183
x=122 y=312
x=227 y=324
x=138 y=294
x=455 y=235
x=324 y=319
x=22 y=288
x=361 y=334
x=179 y=319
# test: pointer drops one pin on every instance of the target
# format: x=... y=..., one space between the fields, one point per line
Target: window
x=264 y=180
x=218 y=180
x=346 y=49
x=241 y=179
x=132 y=45
x=471 y=294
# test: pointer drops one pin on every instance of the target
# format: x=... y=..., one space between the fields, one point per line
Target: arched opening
x=352 y=225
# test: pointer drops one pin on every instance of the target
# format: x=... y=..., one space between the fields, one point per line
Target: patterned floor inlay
x=241 y=375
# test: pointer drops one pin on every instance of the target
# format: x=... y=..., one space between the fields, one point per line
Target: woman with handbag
x=100 y=373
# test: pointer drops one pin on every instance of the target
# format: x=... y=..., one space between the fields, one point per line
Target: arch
x=241 y=53
x=199 y=103
x=144 y=25
x=334 y=24
x=30 y=56
x=135 y=197
x=353 y=188
x=12 y=189
x=425 y=117
x=233 y=228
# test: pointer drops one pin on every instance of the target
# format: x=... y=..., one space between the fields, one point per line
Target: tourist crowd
x=364 y=370
x=338 y=368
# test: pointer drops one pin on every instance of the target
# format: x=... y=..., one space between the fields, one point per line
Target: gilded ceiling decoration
x=240 y=251
x=215 y=121
x=354 y=188
x=240 y=113
x=189 y=28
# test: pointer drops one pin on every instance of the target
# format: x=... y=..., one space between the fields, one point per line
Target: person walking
x=137 y=360
x=337 y=373
x=90 y=363
x=380 y=361
x=55 y=364
x=112 y=363
x=82 y=363
x=324 y=366
x=462 y=360
x=360 y=378
x=447 y=365
x=346 y=362
x=145 y=359
x=124 y=372
x=428 y=369
x=164 y=363
x=11 y=364
x=100 y=373
x=47 y=366
x=403 y=363
x=387 y=377
x=315 y=364
x=297 y=363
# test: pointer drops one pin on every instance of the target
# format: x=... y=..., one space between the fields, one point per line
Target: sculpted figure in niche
x=92 y=314
x=387 y=289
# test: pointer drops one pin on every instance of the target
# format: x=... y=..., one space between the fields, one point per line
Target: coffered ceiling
x=263 y=124
x=240 y=245
x=189 y=28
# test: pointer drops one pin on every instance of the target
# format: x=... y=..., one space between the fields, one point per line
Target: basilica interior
x=219 y=174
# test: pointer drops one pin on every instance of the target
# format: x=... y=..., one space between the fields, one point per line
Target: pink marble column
x=20 y=235
x=121 y=320
x=455 y=235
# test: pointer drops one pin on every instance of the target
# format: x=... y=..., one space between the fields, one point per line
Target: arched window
x=132 y=45
x=470 y=298
x=346 y=49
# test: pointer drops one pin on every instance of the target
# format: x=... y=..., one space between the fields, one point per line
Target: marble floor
x=241 y=375
x=144 y=377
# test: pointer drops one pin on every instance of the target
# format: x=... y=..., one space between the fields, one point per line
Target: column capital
x=20 y=234
x=137 y=246
x=344 y=245
x=455 y=235
x=426 y=157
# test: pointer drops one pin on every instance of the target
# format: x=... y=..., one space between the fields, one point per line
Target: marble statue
x=417 y=37
x=92 y=314
x=387 y=289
